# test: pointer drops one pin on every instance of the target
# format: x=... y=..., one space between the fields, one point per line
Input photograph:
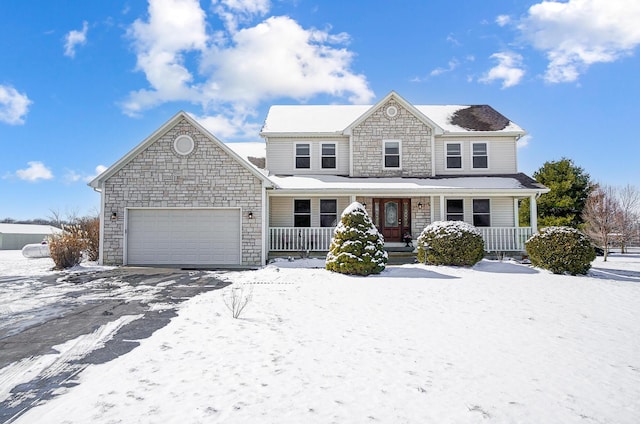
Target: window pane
x=482 y=220
x=302 y=221
x=480 y=149
x=481 y=206
x=453 y=149
x=328 y=220
x=392 y=161
x=328 y=206
x=328 y=149
x=455 y=206
x=480 y=162
x=302 y=150
x=329 y=162
x=302 y=206
x=391 y=148
x=303 y=162
x=454 y=162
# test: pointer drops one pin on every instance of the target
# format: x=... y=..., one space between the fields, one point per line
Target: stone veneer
x=367 y=144
x=159 y=177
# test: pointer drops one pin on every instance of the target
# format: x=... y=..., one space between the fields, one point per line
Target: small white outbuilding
x=16 y=236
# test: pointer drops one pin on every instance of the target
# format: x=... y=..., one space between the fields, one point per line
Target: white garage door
x=183 y=237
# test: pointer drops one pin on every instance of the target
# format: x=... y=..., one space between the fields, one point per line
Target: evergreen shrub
x=453 y=243
x=561 y=250
x=356 y=247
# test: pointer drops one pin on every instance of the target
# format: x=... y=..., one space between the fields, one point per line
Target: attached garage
x=184 y=237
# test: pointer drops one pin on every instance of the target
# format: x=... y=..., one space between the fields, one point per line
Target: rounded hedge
x=450 y=243
x=356 y=247
x=561 y=250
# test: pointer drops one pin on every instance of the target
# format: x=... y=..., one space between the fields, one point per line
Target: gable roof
x=338 y=119
x=97 y=182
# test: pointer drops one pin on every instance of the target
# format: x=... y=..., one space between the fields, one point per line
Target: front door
x=394 y=219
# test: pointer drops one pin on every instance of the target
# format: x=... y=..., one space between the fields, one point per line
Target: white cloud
x=503 y=20
x=36 y=171
x=508 y=70
x=524 y=141
x=578 y=33
x=453 y=64
x=229 y=126
x=13 y=105
x=75 y=38
x=72 y=176
x=238 y=68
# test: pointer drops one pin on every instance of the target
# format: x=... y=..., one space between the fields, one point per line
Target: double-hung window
x=455 y=210
x=392 y=154
x=454 y=155
x=328 y=212
x=481 y=212
x=480 y=155
x=328 y=155
x=303 y=156
x=302 y=213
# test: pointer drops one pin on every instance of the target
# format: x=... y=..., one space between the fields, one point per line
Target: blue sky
x=82 y=83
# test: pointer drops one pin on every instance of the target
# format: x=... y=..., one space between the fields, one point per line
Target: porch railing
x=292 y=239
x=300 y=238
x=505 y=239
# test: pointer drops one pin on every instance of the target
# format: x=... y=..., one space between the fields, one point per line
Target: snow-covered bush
x=561 y=250
x=67 y=247
x=450 y=243
x=356 y=247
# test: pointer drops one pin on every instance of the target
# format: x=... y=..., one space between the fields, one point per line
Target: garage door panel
x=183 y=237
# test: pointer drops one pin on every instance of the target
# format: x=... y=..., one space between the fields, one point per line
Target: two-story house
x=184 y=198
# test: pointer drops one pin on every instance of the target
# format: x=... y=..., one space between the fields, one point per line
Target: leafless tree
x=600 y=216
x=628 y=198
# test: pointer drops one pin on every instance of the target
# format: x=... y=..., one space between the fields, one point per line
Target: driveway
x=53 y=326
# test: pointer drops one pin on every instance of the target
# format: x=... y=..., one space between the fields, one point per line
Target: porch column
x=516 y=213
x=442 y=213
x=533 y=213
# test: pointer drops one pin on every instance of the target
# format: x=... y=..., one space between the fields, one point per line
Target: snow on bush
x=561 y=250
x=356 y=247
x=450 y=243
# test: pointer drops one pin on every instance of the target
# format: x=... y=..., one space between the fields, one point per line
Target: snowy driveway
x=54 y=324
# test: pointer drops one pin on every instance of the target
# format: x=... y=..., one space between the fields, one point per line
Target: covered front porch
x=318 y=239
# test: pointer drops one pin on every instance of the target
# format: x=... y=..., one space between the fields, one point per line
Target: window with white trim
x=480 y=156
x=302 y=213
x=328 y=160
x=303 y=156
x=454 y=155
x=481 y=212
x=455 y=210
x=392 y=154
x=328 y=212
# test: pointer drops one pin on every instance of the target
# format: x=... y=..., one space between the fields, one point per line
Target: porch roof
x=504 y=184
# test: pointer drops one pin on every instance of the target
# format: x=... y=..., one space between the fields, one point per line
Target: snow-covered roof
x=28 y=229
x=327 y=119
x=510 y=183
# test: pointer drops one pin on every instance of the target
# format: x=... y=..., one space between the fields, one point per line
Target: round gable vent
x=391 y=111
x=183 y=145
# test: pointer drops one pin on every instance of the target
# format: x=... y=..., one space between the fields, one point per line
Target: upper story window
x=328 y=155
x=328 y=212
x=454 y=155
x=392 y=153
x=302 y=213
x=303 y=156
x=481 y=212
x=455 y=210
x=480 y=155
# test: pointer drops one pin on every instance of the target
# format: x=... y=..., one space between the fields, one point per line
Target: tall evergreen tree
x=570 y=186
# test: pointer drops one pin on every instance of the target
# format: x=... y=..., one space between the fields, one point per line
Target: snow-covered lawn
x=501 y=343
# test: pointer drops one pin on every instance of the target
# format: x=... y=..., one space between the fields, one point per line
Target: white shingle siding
x=281 y=156
x=208 y=178
x=281 y=209
x=501 y=153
